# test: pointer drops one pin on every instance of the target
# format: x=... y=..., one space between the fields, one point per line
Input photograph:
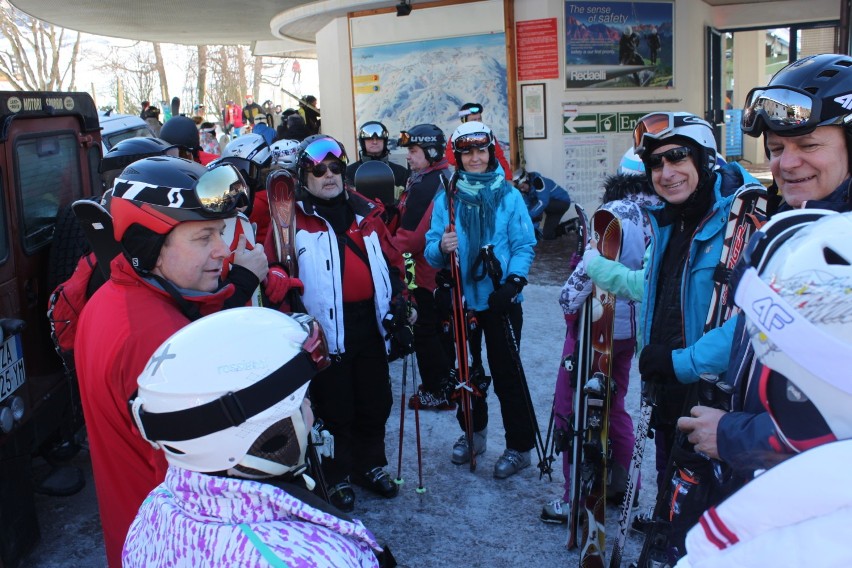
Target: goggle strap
x=790 y=332
x=231 y=409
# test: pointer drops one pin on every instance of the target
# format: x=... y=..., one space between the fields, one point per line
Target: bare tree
x=36 y=55
x=257 y=76
x=201 y=83
x=134 y=67
x=161 y=71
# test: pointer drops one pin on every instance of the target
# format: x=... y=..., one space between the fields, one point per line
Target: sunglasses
x=319 y=170
x=783 y=110
x=467 y=142
x=318 y=150
x=673 y=156
x=234 y=408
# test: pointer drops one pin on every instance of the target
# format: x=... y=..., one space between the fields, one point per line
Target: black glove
x=443 y=293
x=501 y=299
x=655 y=364
x=398 y=329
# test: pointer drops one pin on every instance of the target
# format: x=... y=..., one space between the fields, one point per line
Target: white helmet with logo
x=284 y=153
x=214 y=400
x=797 y=298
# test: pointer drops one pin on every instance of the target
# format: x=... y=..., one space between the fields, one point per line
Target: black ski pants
x=353 y=396
x=434 y=352
x=507 y=381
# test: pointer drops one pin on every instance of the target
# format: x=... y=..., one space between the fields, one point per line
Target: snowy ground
x=463 y=518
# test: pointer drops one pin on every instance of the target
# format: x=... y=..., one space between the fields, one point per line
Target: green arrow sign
x=581 y=124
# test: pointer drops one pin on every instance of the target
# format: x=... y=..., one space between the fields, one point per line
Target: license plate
x=12 y=373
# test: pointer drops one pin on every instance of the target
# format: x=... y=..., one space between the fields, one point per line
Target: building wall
x=548 y=155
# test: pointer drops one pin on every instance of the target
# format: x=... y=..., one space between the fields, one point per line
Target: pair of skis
x=593 y=391
x=663 y=544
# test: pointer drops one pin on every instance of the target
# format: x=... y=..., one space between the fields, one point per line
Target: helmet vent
x=827 y=73
x=833 y=258
x=812 y=90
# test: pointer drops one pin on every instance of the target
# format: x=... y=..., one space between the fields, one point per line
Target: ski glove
x=655 y=364
x=397 y=324
x=278 y=284
x=501 y=299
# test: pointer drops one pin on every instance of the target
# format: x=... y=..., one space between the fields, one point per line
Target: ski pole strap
x=791 y=333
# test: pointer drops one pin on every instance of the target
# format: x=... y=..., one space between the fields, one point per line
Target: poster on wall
x=618 y=45
x=537 y=52
x=404 y=84
x=593 y=144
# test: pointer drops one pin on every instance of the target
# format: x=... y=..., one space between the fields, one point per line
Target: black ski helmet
x=373 y=130
x=130 y=150
x=824 y=85
x=182 y=131
x=811 y=92
x=153 y=195
x=429 y=137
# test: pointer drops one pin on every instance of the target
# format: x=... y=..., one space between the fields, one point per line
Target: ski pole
x=420 y=487
x=399 y=480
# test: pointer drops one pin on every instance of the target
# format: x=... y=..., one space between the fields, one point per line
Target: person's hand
x=655 y=364
x=449 y=241
x=253 y=259
x=501 y=299
x=278 y=284
x=701 y=428
x=412 y=315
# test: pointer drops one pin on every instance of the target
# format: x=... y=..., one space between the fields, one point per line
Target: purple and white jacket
x=194 y=519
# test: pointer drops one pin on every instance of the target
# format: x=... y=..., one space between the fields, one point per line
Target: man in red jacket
x=169 y=215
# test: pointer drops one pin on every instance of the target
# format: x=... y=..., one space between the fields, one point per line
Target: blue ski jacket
x=513 y=239
x=705 y=353
x=542 y=190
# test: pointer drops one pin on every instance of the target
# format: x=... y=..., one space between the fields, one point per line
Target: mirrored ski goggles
x=475 y=140
x=319 y=170
x=319 y=150
x=782 y=110
x=472 y=110
x=657 y=124
x=222 y=189
x=673 y=156
x=373 y=131
x=234 y=408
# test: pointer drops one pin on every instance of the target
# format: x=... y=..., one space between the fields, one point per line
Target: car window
x=112 y=139
x=48 y=174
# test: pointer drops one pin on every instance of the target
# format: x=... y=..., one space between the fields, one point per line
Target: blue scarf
x=479 y=195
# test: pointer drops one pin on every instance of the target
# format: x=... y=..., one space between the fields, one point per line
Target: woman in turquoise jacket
x=488 y=211
x=676 y=283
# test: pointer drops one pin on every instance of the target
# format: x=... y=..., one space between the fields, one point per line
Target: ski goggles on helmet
x=319 y=170
x=471 y=110
x=658 y=125
x=222 y=189
x=784 y=111
x=235 y=408
x=475 y=140
x=249 y=169
x=672 y=156
x=373 y=130
x=318 y=150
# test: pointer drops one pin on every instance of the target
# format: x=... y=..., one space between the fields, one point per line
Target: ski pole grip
x=492 y=265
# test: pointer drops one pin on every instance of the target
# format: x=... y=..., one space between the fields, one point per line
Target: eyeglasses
x=467 y=142
x=222 y=189
x=782 y=109
x=320 y=169
x=373 y=131
x=673 y=156
x=318 y=150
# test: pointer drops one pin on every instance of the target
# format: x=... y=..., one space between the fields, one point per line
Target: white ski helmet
x=472 y=135
x=250 y=154
x=630 y=164
x=225 y=392
x=284 y=153
x=661 y=128
x=797 y=298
